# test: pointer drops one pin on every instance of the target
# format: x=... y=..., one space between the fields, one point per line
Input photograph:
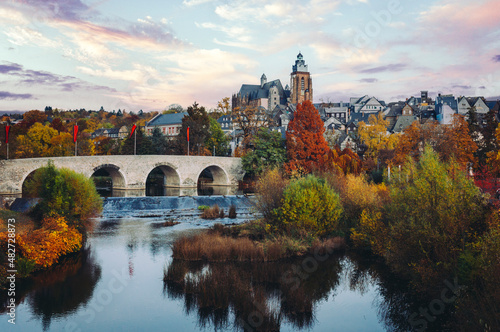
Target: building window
x=302 y=83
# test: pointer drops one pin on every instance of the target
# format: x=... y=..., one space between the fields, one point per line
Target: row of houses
x=342 y=119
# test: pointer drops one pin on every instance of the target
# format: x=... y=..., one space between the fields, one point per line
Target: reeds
x=216 y=248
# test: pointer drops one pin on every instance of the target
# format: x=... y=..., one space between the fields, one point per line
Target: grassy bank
x=249 y=242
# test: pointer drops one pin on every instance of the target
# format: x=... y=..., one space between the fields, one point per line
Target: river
x=116 y=283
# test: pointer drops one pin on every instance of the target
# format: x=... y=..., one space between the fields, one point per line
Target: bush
x=232 y=212
x=270 y=189
x=64 y=193
x=311 y=205
x=44 y=246
x=212 y=213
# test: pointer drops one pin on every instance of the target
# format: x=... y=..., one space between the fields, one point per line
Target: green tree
x=436 y=212
x=311 y=205
x=217 y=139
x=142 y=143
x=198 y=122
x=159 y=141
x=66 y=193
x=268 y=152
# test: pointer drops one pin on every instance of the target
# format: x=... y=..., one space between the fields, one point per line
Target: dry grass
x=213 y=212
x=328 y=246
x=216 y=248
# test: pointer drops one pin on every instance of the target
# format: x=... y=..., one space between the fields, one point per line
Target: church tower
x=300 y=82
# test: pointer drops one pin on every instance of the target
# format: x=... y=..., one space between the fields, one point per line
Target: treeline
x=50 y=134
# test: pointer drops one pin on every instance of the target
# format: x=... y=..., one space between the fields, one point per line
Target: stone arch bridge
x=128 y=172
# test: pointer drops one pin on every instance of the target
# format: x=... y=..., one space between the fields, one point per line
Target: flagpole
x=75 y=147
x=188 y=139
x=7 y=151
x=135 y=141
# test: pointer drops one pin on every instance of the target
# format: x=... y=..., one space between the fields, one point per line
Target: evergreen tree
x=143 y=144
x=159 y=141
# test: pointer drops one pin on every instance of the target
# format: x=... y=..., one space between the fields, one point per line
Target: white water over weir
x=171 y=206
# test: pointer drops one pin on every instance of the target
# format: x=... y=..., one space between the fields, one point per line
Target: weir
x=164 y=206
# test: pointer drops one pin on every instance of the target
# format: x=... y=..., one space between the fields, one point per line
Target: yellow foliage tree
x=36 y=142
x=375 y=136
x=61 y=145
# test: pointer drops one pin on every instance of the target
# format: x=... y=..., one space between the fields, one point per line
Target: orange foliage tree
x=49 y=242
x=306 y=147
x=345 y=161
x=449 y=142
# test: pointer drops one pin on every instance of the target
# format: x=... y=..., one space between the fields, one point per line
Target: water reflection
x=260 y=296
x=61 y=290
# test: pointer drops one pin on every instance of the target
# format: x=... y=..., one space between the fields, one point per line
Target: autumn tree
x=58 y=125
x=343 y=161
x=249 y=119
x=306 y=146
x=198 y=122
x=457 y=142
x=375 y=137
x=36 y=142
x=61 y=145
x=268 y=152
x=436 y=213
x=451 y=141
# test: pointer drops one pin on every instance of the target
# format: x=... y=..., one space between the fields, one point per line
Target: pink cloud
x=461 y=22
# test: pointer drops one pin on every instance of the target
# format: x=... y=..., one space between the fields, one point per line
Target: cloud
x=277 y=12
x=460 y=23
x=5 y=95
x=239 y=33
x=368 y=80
x=36 y=78
x=25 y=36
x=496 y=58
x=190 y=3
x=10 y=67
x=387 y=68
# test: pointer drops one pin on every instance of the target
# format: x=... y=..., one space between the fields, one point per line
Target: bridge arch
x=26 y=178
x=113 y=171
x=171 y=176
x=216 y=173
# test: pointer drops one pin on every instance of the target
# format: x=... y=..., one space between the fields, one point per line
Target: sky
x=149 y=54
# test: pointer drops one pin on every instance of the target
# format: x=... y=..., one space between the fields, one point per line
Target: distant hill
x=11 y=112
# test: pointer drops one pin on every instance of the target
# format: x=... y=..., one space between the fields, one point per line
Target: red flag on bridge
x=132 y=131
x=75 y=133
x=7 y=128
x=188 y=134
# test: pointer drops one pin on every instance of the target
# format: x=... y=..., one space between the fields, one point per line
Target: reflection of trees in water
x=66 y=287
x=260 y=295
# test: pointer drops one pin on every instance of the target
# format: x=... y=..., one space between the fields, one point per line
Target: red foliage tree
x=307 y=149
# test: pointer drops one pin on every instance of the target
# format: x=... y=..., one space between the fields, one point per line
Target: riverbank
x=248 y=242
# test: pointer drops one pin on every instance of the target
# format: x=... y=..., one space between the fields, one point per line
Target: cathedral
x=272 y=94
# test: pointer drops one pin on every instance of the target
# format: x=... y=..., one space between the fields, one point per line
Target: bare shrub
x=232 y=211
x=270 y=189
x=211 y=213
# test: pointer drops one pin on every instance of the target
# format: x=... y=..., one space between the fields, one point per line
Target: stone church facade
x=271 y=94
